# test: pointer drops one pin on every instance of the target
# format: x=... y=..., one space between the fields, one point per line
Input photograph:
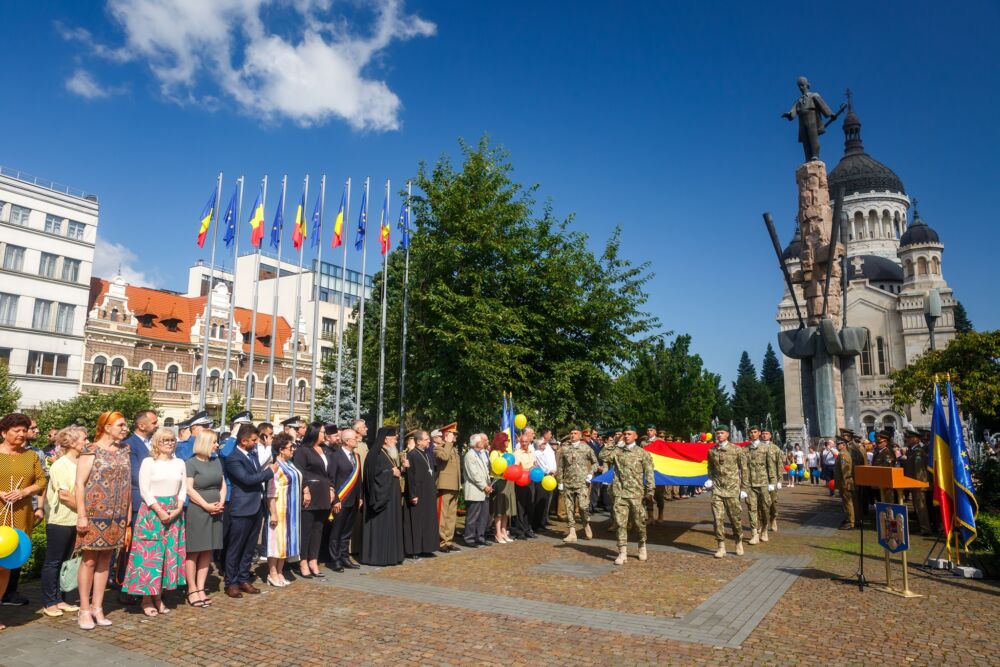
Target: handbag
x=67 y=574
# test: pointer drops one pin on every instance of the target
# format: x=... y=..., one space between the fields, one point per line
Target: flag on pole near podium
x=206 y=219
x=966 y=507
x=257 y=220
x=939 y=463
x=338 y=222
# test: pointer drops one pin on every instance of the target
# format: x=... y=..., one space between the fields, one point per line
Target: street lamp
x=932 y=312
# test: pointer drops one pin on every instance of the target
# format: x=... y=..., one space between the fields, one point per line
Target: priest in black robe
x=382 y=537
x=420 y=521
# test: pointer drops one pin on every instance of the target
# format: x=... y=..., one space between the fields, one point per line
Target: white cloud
x=111 y=258
x=83 y=84
x=243 y=50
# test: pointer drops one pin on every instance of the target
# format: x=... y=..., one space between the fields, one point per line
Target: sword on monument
x=831 y=119
x=769 y=222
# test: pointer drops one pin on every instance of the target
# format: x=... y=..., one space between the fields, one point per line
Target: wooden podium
x=881 y=477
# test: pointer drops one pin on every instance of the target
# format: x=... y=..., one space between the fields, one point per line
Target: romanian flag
x=257 y=220
x=674 y=463
x=299 y=230
x=206 y=220
x=384 y=224
x=338 y=222
x=939 y=462
x=966 y=507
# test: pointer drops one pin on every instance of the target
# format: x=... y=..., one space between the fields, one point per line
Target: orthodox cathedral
x=893 y=270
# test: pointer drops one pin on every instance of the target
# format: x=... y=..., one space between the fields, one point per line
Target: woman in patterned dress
x=21 y=477
x=284 y=497
x=104 y=502
x=156 y=561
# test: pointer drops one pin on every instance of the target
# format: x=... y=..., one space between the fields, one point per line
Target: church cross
x=850 y=100
x=858 y=263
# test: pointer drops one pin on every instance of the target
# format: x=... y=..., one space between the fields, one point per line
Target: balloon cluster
x=15 y=547
x=705 y=437
x=503 y=465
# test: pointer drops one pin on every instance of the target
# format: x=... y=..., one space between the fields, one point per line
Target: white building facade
x=47 y=237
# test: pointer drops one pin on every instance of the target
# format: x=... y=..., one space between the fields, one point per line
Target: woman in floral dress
x=156 y=562
x=103 y=500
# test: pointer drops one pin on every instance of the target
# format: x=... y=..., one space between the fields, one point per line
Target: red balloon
x=704 y=437
x=513 y=473
x=787 y=468
x=832 y=484
x=524 y=479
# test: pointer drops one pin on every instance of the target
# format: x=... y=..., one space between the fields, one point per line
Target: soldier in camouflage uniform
x=775 y=460
x=633 y=482
x=727 y=478
x=575 y=467
x=843 y=479
x=763 y=479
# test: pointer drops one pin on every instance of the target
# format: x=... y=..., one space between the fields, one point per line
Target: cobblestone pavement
x=542 y=602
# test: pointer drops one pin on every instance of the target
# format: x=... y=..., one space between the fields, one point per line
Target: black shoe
x=531 y=535
x=414 y=557
x=15 y=600
x=485 y=543
x=471 y=545
x=429 y=554
x=351 y=565
x=304 y=576
x=319 y=575
x=336 y=567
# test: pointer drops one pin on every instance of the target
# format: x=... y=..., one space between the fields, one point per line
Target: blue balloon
x=509 y=458
x=871 y=436
x=537 y=474
x=21 y=553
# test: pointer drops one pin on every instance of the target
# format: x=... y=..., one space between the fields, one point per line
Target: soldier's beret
x=629 y=427
x=722 y=427
x=649 y=426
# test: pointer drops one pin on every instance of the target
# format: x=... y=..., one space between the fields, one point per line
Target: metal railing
x=47 y=184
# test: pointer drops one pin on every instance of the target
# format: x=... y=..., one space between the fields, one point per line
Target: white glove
x=779 y=485
x=588 y=478
x=560 y=487
x=770 y=487
x=621 y=443
x=743 y=495
x=708 y=484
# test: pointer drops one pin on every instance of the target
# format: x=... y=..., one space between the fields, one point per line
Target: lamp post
x=932 y=312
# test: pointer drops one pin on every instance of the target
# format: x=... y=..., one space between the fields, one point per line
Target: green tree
x=10 y=393
x=962 y=322
x=722 y=408
x=135 y=395
x=750 y=397
x=502 y=299
x=234 y=405
x=327 y=393
x=773 y=378
x=972 y=360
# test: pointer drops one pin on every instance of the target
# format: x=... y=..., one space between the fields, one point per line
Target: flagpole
x=298 y=302
x=381 y=333
x=208 y=298
x=232 y=308
x=343 y=288
x=406 y=293
x=316 y=274
x=251 y=386
x=361 y=314
x=274 y=305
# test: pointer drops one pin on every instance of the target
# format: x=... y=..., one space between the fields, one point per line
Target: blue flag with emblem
x=229 y=220
x=966 y=507
x=279 y=222
x=404 y=227
x=316 y=224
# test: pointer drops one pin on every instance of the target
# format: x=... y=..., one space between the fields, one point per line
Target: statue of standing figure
x=811 y=109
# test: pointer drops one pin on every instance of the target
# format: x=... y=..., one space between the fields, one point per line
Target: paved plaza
x=544 y=602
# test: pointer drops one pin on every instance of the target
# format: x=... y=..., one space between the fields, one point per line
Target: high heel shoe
x=276 y=583
x=103 y=622
x=89 y=624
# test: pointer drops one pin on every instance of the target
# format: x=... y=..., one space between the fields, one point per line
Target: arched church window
x=935 y=266
x=213 y=380
x=866 y=355
x=908 y=269
x=172 y=373
x=97 y=372
x=922 y=266
x=881 y=354
x=117 y=371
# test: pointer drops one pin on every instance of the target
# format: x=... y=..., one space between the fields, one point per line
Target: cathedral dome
x=793 y=251
x=875 y=268
x=857 y=171
x=918 y=232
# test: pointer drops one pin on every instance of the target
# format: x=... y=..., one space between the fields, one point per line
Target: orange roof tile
x=164 y=306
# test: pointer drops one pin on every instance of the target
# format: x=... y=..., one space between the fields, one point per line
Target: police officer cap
x=884 y=434
x=923 y=430
x=184 y=423
x=200 y=418
x=245 y=417
x=294 y=422
x=910 y=429
x=847 y=433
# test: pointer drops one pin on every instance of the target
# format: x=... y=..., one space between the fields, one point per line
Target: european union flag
x=316 y=224
x=279 y=222
x=404 y=227
x=230 y=221
x=359 y=238
x=966 y=507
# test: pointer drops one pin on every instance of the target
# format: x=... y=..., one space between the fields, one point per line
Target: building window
x=881 y=354
x=40 y=318
x=53 y=224
x=147 y=370
x=47 y=265
x=71 y=270
x=19 y=215
x=5 y=356
x=114 y=314
x=13 y=258
x=8 y=309
x=329 y=328
x=97 y=372
x=47 y=363
x=251 y=387
x=117 y=371
x=866 y=355
x=64 y=318
x=269 y=387
x=172 y=373
x=213 y=381
x=301 y=393
x=326 y=354
x=74 y=230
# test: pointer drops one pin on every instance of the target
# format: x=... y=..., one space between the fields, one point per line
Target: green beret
x=629 y=427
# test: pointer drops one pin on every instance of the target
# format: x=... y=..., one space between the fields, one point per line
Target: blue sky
x=662 y=117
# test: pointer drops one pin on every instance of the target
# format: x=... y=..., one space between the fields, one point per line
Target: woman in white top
x=156 y=562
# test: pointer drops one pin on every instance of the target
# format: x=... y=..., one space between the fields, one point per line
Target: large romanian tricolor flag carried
x=674 y=463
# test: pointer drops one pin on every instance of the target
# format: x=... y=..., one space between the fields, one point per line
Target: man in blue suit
x=143 y=427
x=246 y=509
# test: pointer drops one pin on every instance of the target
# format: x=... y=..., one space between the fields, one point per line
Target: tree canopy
x=136 y=394
x=10 y=393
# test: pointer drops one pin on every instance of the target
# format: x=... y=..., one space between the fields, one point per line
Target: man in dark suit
x=246 y=509
x=143 y=428
x=345 y=472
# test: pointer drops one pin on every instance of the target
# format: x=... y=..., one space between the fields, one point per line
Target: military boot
x=763 y=535
x=774 y=525
x=622 y=555
x=571 y=537
x=721 y=553
x=754 y=538
x=613 y=527
x=739 y=548
x=587 y=532
x=642 y=551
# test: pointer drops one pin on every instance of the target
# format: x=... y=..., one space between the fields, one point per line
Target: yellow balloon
x=793 y=467
x=520 y=421
x=708 y=436
x=499 y=465
x=8 y=541
x=805 y=474
x=494 y=454
x=549 y=483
